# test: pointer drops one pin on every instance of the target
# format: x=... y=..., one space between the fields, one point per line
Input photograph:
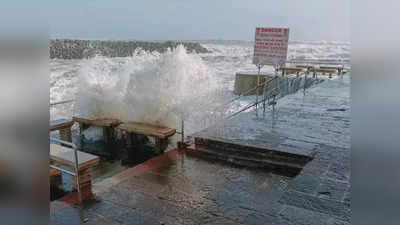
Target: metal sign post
x=259 y=66
x=276 y=68
x=305 y=83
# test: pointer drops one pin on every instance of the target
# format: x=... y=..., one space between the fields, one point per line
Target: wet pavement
x=177 y=188
x=298 y=124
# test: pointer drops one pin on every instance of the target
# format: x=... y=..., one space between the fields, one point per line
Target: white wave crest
x=147 y=87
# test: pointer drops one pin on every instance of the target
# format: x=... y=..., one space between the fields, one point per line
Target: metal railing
x=319 y=61
x=182 y=130
x=76 y=165
x=61 y=102
x=266 y=97
x=268 y=94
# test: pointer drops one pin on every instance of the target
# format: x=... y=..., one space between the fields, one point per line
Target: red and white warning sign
x=270 y=46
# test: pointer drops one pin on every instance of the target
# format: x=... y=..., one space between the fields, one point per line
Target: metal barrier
x=61 y=102
x=267 y=95
x=76 y=167
x=182 y=130
x=320 y=61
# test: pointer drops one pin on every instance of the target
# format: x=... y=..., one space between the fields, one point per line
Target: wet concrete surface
x=180 y=189
x=122 y=159
x=177 y=188
x=298 y=124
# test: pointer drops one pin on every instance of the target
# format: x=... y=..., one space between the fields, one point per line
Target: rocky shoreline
x=80 y=49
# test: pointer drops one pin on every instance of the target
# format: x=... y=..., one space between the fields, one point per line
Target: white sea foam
x=154 y=88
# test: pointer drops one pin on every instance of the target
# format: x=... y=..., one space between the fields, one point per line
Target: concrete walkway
x=176 y=188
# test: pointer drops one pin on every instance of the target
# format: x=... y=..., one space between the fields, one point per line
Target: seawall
x=80 y=49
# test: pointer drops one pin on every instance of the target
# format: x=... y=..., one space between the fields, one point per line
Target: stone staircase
x=283 y=158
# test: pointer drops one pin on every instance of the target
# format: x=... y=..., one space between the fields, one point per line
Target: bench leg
x=106 y=135
x=82 y=127
x=85 y=183
x=161 y=144
x=109 y=134
x=129 y=140
x=65 y=134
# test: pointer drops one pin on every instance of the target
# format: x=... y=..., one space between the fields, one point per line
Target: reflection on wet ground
x=178 y=189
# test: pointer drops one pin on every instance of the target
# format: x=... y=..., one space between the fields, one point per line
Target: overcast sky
x=196 y=19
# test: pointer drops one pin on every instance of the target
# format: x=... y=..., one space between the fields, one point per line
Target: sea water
x=164 y=88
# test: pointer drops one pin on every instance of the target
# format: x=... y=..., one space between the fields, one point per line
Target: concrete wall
x=80 y=49
x=245 y=82
x=287 y=84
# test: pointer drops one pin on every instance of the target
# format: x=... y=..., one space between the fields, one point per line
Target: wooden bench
x=291 y=70
x=305 y=67
x=107 y=124
x=160 y=133
x=339 y=69
x=324 y=71
x=64 y=127
x=63 y=156
x=55 y=177
x=54 y=172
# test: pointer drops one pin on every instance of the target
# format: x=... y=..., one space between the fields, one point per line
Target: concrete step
x=282 y=169
x=253 y=156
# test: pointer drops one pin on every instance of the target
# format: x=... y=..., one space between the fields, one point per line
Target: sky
x=310 y=20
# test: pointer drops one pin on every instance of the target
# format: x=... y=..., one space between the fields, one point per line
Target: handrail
x=61 y=102
x=248 y=106
x=246 y=92
x=249 y=91
x=320 y=61
x=71 y=144
x=265 y=97
x=76 y=165
x=243 y=94
x=251 y=104
x=244 y=109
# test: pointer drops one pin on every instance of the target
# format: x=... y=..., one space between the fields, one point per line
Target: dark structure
x=80 y=49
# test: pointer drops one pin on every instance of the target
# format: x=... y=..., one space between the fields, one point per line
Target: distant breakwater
x=81 y=49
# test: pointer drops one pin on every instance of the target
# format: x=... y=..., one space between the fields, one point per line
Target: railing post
x=305 y=83
x=61 y=102
x=78 y=187
x=76 y=165
x=264 y=93
x=277 y=82
x=182 y=130
x=258 y=83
